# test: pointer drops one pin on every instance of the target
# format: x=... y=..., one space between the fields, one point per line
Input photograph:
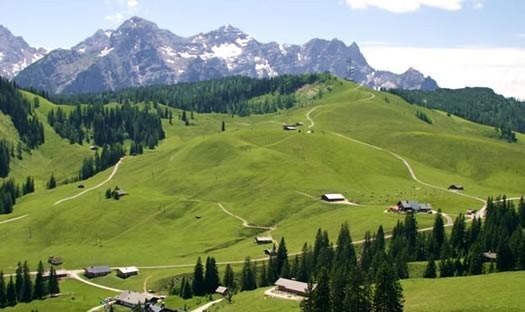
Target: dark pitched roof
x=98 y=269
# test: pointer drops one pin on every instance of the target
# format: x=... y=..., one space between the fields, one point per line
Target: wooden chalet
x=96 y=271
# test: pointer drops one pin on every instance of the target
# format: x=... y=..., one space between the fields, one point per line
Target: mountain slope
x=268 y=177
x=15 y=54
x=139 y=53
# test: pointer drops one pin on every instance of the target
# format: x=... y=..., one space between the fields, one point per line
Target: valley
x=207 y=192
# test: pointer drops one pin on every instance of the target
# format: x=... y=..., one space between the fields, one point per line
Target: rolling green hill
x=353 y=141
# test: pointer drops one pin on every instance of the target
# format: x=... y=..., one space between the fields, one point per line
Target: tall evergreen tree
x=52 y=183
x=198 y=286
x=458 y=235
x=320 y=297
x=211 y=277
x=388 y=294
x=358 y=293
x=438 y=236
x=281 y=260
x=54 y=286
x=11 y=294
x=430 y=270
x=229 y=277
x=3 y=291
x=19 y=281
x=39 y=291
x=248 y=276
x=521 y=209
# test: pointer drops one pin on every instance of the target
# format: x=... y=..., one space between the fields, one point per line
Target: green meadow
x=260 y=173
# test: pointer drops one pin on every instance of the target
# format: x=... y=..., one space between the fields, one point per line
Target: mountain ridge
x=15 y=53
x=139 y=53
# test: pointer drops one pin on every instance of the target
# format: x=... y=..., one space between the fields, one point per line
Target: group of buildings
x=103 y=270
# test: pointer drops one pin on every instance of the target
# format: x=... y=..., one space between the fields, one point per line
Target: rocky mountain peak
x=140 y=53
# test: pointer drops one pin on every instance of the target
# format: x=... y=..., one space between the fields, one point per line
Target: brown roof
x=292 y=285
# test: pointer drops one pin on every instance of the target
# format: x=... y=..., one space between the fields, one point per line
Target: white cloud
x=115 y=18
x=124 y=8
x=478 y=5
x=520 y=35
x=132 y=4
x=502 y=69
x=403 y=6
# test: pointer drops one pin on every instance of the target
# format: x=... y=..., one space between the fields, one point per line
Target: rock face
x=138 y=53
x=15 y=54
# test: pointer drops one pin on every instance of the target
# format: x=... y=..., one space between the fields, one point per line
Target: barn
x=126 y=272
x=292 y=287
x=96 y=271
x=333 y=197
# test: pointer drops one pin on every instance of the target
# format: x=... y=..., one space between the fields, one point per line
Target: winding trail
x=395 y=155
x=75 y=275
x=205 y=307
x=115 y=169
x=13 y=219
x=245 y=223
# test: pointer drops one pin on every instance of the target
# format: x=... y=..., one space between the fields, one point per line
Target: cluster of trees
x=506 y=134
x=228 y=95
x=8 y=152
x=480 y=105
x=10 y=191
x=424 y=117
x=22 y=288
x=14 y=105
x=204 y=281
x=110 y=155
x=500 y=234
x=365 y=281
x=108 y=125
x=5 y=158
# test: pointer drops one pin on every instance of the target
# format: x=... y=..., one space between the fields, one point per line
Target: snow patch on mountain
x=105 y=52
x=226 y=51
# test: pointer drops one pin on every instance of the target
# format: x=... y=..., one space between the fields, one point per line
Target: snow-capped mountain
x=139 y=53
x=15 y=53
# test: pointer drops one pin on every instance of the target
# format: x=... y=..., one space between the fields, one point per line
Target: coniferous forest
x=13 y=104
x=481 y=105
x=229 y=95
x=21 y=287
x=108 y=125
x=366 y=277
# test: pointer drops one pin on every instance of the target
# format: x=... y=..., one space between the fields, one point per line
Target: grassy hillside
x=56 y=155
x=492 y=292
x=259 y=173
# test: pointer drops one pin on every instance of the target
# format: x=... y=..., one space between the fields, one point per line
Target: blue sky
x=429 y=32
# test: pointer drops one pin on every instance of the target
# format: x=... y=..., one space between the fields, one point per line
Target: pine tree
x=430 y=271
x=211 y=276
x=263 y=278
x=198 y=286
x=457 y=238
x=229 y=277
x=281 y=259
x=358 y=293
x=54 y=287
x=505 y=258
x=52 y=183
x=248 y=276
x=3 y=291
x=19 y=282
x=475 y=260
x=320 y=297
x=11 y=295
x=521 y=209
x=344 y=256
x=388 y=294
x=39 y=291
x=438 y=236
